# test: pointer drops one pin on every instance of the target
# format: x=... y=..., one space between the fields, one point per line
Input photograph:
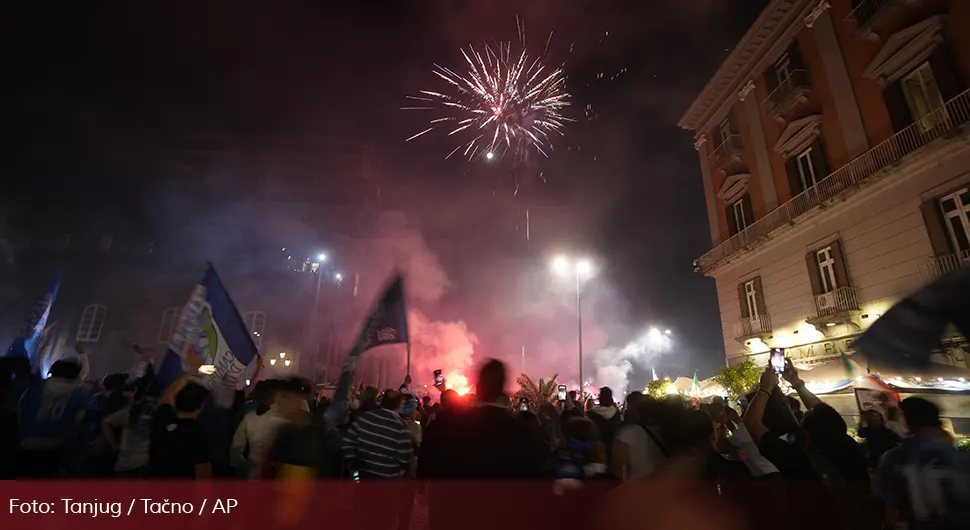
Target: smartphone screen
x=523 y=404
x=562 y=392
x=778 y=360
x=439 y=378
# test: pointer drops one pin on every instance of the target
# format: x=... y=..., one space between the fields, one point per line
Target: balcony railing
x=747 y=328
x=787 y=94
x=835 y=302
x=866 y=10
x=729 y=151
x=946 y=119
x=944 y=265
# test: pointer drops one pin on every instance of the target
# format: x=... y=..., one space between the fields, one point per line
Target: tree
x=737 y=379
x=659 y=388
x=537 y=393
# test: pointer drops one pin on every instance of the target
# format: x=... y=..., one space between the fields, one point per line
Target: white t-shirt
x=645 y=455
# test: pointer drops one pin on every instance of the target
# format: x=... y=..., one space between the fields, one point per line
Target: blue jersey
x=928 y=481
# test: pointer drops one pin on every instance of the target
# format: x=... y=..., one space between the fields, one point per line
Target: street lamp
x=489 y=155
x=338 y=277
x=565 y=267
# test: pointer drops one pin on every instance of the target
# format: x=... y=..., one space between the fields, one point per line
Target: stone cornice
x=817 y=12
x=780 y=21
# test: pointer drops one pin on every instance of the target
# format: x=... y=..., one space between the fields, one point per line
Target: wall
x=883 y=238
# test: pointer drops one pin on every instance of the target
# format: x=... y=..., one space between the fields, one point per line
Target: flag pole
x=409 y=359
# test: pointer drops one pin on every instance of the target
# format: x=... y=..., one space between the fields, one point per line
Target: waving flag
x=211 y=322
x=387 y=324
x=654 y=370
x=25 y=345
x=695 y=386
x=905 y=335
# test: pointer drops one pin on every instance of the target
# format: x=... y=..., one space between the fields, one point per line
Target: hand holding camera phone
x=439 y=379
x=523 y=404
x=778 y=360
x=562 y=392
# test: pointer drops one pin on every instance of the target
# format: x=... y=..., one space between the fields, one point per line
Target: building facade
x=834 y=145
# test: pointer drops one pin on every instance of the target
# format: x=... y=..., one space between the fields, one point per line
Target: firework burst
x=503 y=99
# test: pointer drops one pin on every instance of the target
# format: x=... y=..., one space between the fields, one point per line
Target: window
x=806 y=169
x=783 y=68
x=166 y=328
x=923 y=96
x=956 y=215
x=740 y=222
x=826 y=270
x=725 y=130
x=751 y=299
x=92 y=321
x=255 y=322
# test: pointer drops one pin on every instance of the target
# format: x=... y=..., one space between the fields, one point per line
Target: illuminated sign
x=812 y=353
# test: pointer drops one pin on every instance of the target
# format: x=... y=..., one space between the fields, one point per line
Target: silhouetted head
x=491 y=381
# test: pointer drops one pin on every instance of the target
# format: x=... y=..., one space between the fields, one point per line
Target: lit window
x=740 y=222
x=956 y=212
x=806 y=170
x=92 y=321
x=255 y=322
x=725 y=129
x=923 y=96
x=751 y=299
x=783 y=68
x=166 y=328
x=826 y=270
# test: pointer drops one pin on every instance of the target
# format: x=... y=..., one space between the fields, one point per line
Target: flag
x=654 y=370
x=849 y=366
x=210 y=322
x=695 y=386
x=25 y=345
x=905 y=335
x=387 y=324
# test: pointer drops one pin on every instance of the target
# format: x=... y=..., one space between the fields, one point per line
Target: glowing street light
x=286 y=362
x=583 y=268
x=338 y=277
x=272 y=362
x=489 y=155
x=321 y=257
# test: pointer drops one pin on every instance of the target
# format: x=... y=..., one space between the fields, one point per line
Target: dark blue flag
x=387 y=324
x=25 y=345
x=906 y=335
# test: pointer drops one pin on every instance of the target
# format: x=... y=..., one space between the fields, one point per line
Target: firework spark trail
x=503 y=97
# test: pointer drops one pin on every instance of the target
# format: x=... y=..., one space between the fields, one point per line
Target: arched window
x=255 y=323
x=92 y=321
x=166 y=327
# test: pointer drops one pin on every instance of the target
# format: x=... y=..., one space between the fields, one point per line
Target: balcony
x=944 y=265
x=837 y=307
x=727 y=154
x=868 y=13
x=946 y=122
x=758 y=327
x=790 y=93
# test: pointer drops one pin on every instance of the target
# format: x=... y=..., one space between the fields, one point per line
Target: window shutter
x=748 y=210
x=897 y=106
x=743 y=300
x=812 y=261
x=731 y=220
x=945 y=72
x=933 y=219
x=841 y=270
x=819 y=159
x=794 y=179
x=759 y=296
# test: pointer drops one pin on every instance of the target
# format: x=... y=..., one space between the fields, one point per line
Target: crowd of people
x=764 y=461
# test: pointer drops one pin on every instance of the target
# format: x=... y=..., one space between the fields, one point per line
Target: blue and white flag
x=211 y=322
x=387 y=324
x=654 y=370
x=25 y=345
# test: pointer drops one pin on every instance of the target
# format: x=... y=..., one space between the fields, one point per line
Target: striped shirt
x=379 y=444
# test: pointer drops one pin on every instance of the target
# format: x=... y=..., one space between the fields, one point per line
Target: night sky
x=100 y=94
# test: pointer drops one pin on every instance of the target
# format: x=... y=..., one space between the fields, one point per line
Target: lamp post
x=563 y=266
